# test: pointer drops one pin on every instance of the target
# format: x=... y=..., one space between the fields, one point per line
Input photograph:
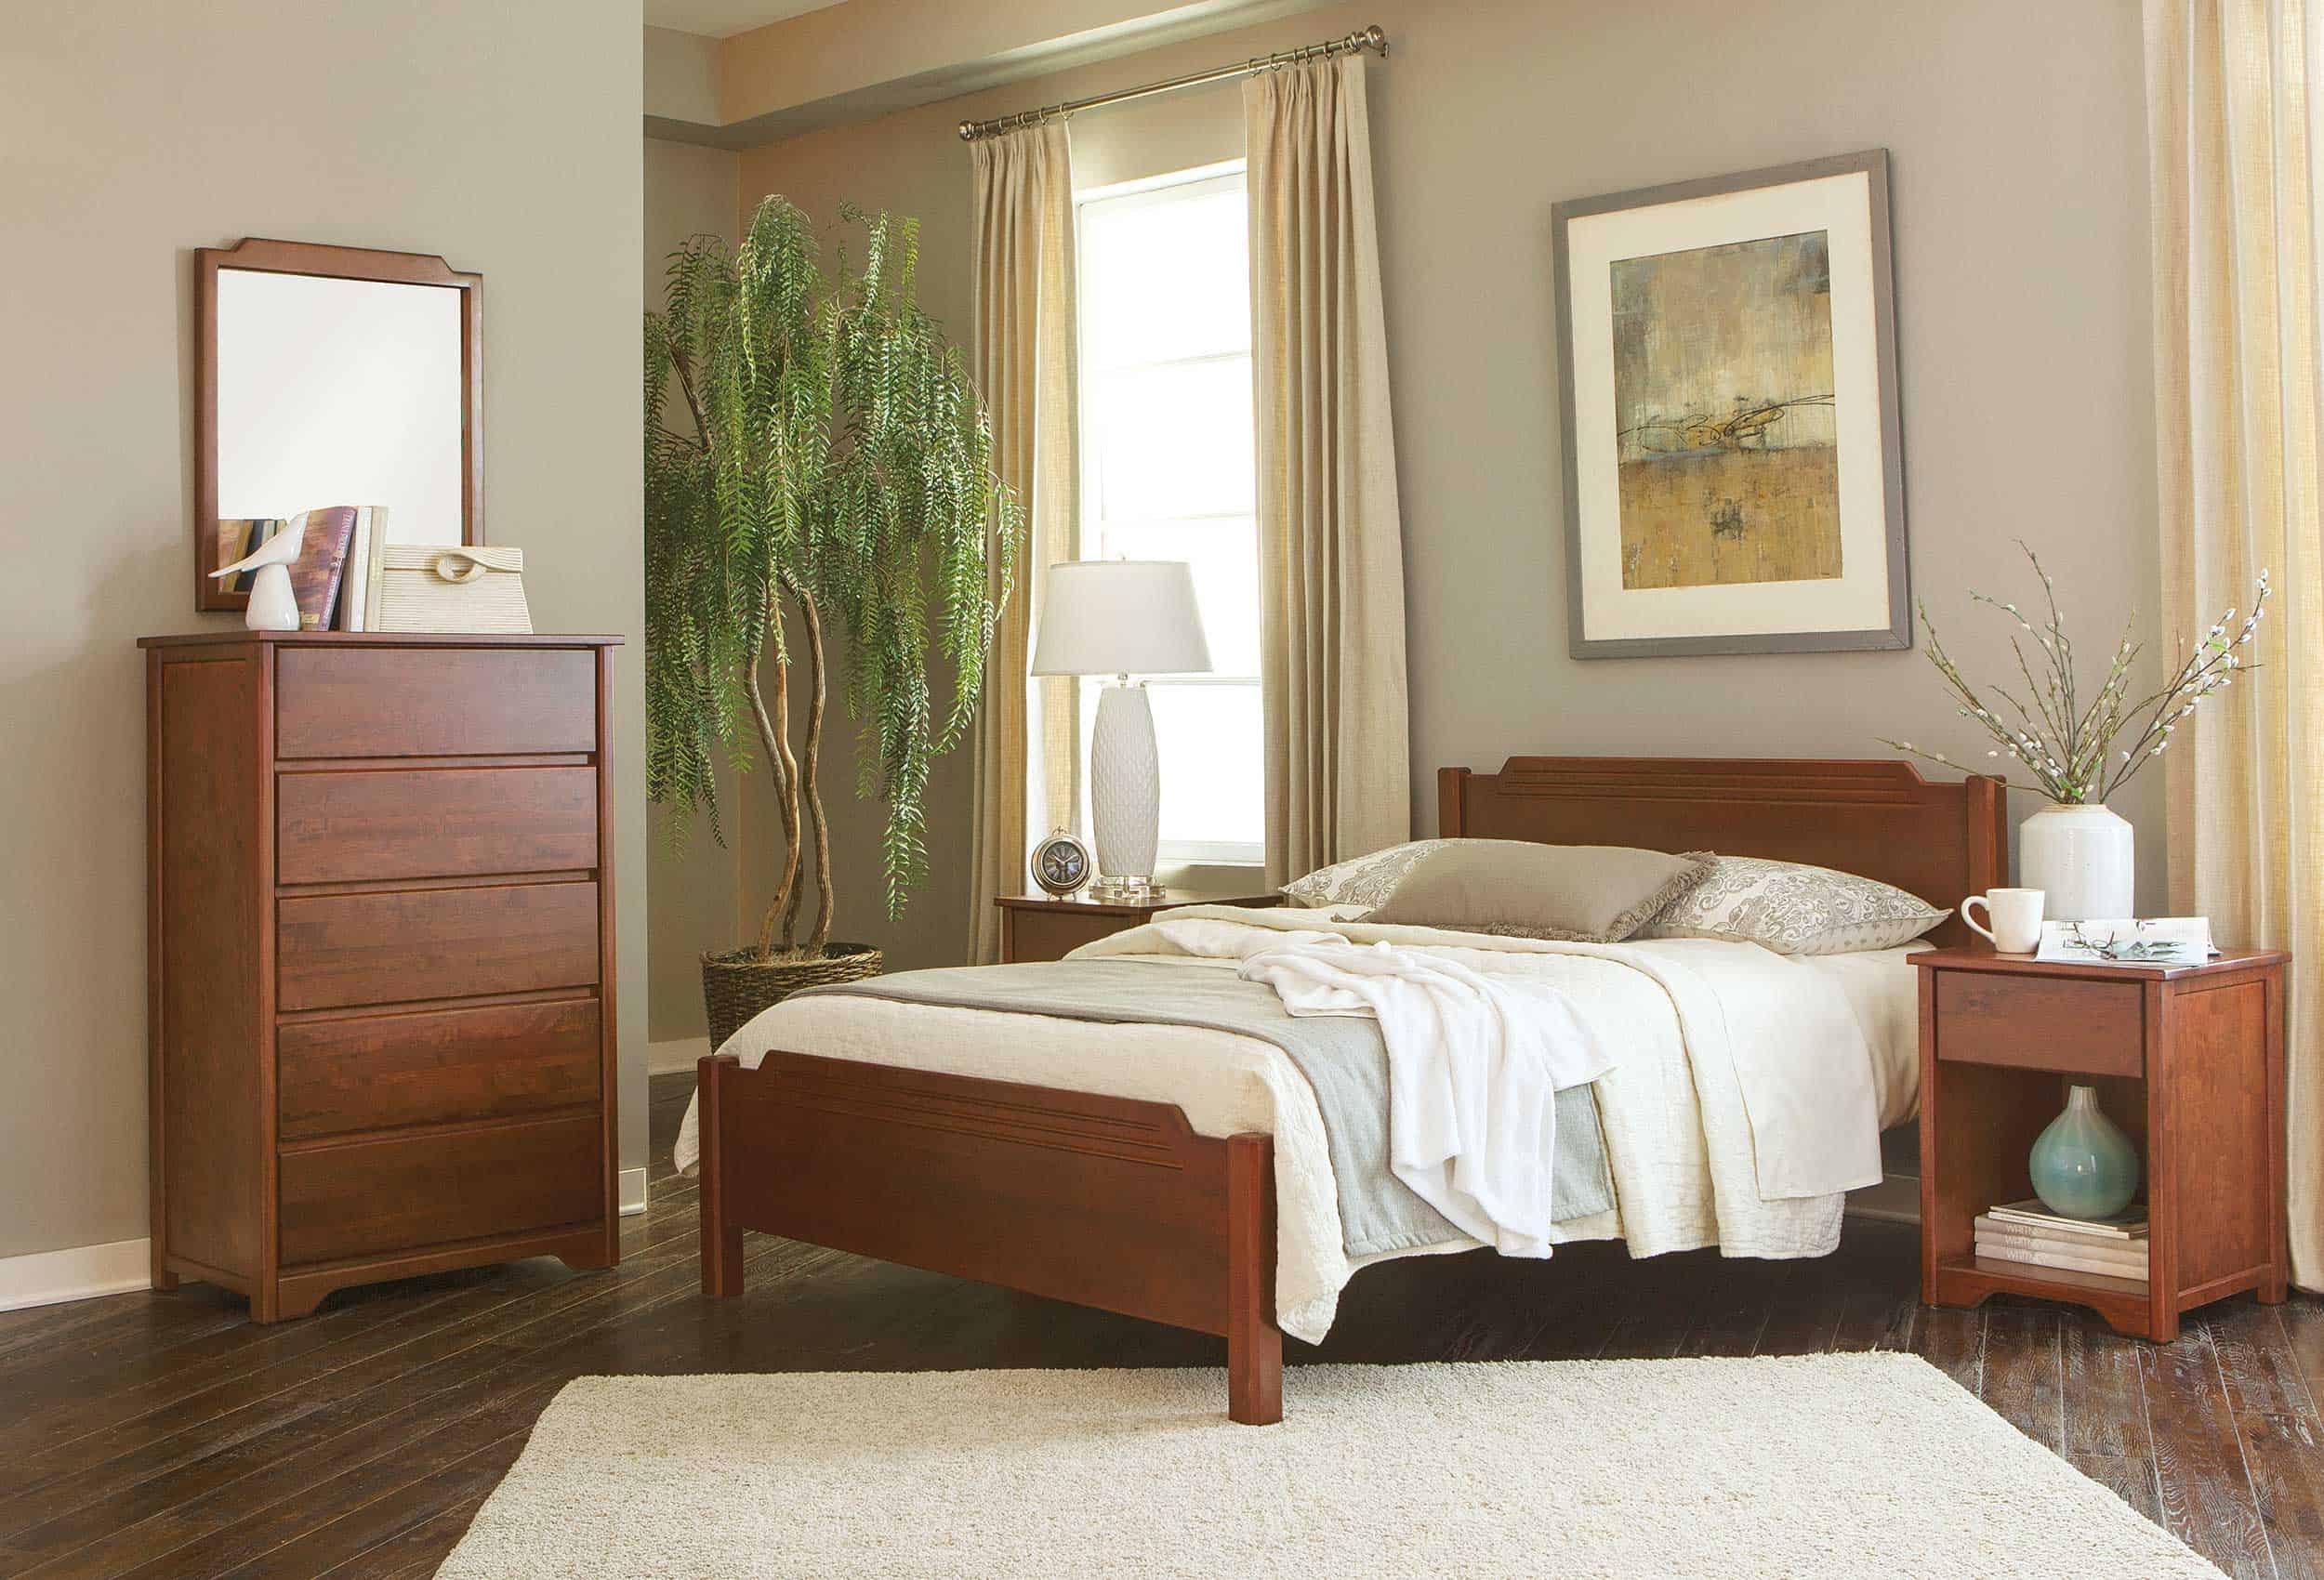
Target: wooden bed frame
x=1115 y=1202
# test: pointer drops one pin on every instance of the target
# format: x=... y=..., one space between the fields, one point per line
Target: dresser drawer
x=350 y=949
x=433 y=702
x=348 y=827
x=379 y=1072
x=2088 y=1028
x=404 y=1192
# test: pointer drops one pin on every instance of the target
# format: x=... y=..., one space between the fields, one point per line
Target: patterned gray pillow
x=1362 y=880
x=1794 y=909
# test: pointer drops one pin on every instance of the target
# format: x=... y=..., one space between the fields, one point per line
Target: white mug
x=2015 y=915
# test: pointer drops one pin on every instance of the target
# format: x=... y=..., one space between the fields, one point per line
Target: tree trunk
x=776 y=737
x=809 y=781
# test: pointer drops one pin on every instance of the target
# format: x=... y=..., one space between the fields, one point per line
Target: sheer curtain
x=1021 y=358
x=1331 y=538
x=2234 y=211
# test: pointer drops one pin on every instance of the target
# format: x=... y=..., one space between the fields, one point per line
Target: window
x=1168 y=473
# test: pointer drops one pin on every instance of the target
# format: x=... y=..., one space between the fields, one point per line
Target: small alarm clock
x=1061 y=863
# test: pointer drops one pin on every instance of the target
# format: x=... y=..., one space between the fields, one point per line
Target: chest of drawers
x=380 y=957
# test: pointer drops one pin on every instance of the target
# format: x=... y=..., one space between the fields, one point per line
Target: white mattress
x=1672 y=1155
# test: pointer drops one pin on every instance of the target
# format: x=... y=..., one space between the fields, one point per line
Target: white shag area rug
x=1820 y=1466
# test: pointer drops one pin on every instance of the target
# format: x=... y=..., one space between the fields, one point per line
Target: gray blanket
x=1342 y=1057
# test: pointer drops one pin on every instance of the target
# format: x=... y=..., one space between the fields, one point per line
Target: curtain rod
x=1372 y=38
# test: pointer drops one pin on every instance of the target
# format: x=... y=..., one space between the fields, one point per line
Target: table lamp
x=1122 y=617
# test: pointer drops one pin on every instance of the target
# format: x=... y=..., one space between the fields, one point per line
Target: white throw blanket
x=1475 y=1065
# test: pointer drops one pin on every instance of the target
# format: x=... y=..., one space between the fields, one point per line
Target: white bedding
x=1746 y=1096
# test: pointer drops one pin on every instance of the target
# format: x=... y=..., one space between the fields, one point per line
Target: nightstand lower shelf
x=1964 y=1281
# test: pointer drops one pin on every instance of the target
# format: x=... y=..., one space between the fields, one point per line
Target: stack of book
x=2027 y=1232
x=336 y=577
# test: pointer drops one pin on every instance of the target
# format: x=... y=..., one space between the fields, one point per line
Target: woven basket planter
x=735 y=986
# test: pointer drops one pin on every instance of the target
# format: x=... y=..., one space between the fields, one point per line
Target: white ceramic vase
x=2081 y=857
x=1125 y=788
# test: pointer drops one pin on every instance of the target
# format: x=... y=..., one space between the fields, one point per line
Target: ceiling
x=721 y=18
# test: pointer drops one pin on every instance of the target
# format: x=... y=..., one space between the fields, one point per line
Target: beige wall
x=504 y=137
x=690 y=887
x=2020 y=232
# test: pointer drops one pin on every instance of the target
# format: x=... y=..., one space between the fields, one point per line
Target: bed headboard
x=1875 y=817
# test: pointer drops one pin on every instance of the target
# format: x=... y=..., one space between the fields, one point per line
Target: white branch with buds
x=2068 y=750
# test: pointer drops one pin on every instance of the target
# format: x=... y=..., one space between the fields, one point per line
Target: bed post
x=1452 y=787
x=1987 y=803
x=1254 y=1345
x=721 y=1241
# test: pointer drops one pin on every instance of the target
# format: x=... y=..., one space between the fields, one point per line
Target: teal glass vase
x=2082 y=1166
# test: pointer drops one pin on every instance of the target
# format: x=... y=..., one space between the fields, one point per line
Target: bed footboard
x=1101 y=1200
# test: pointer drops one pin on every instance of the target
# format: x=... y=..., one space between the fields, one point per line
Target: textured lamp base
x=1124 y=792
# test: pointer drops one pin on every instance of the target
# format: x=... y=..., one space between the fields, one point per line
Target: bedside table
x=2189 y=1062
x=1040 y=926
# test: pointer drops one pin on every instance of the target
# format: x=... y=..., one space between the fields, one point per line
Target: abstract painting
x=1722 y=387
x=1733 y=477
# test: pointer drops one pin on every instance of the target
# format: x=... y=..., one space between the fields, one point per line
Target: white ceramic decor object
x=273 y=606
x=2083 y=858
x=1125 y=788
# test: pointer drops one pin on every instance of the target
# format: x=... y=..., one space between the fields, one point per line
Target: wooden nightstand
x=2189 y=1062
x=1040 y=926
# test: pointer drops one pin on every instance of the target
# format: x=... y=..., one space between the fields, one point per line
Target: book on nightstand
x=2025 y=1232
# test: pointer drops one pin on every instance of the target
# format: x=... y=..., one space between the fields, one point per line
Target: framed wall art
x=1734 y=463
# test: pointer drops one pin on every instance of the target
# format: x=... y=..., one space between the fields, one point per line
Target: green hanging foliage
x=824 y=463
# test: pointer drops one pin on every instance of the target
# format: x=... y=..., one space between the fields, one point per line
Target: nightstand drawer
x=2084 y=1028
x=1050 y=935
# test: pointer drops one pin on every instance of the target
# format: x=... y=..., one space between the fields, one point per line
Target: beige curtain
x=1022 y=256
x=2236 y=394
x=1330 y=539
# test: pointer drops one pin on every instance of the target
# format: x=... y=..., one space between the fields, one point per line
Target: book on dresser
x=321 y=563
x=2026 y=1232
x=381 y=1037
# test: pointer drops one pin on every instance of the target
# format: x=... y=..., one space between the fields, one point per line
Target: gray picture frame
x=1897 y=631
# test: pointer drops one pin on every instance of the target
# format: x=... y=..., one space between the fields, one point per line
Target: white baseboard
x=669 y=1057
x=77 y=1272
x=83 y=1273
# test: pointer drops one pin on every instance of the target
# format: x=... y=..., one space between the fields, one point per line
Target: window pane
x=1165 y=276
x=1213 y=787
x=1224 y=556
x=1174 y=440
x=1167 y=473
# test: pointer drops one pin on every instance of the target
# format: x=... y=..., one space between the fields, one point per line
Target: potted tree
x=816 y=461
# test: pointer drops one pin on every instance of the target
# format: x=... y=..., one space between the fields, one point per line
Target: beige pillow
x=1794 y=909
x=1580 y=893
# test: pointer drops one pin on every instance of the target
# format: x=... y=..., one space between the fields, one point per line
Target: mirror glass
x=335 y=391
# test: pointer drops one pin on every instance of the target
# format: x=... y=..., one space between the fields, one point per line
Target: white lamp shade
x=1122 y=617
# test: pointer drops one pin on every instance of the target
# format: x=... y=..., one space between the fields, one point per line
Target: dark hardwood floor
x=164 y=1435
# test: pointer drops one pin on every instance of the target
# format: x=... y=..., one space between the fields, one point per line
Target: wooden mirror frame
x=262 y=256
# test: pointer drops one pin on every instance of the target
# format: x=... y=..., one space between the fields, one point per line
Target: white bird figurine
x=273 y=606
